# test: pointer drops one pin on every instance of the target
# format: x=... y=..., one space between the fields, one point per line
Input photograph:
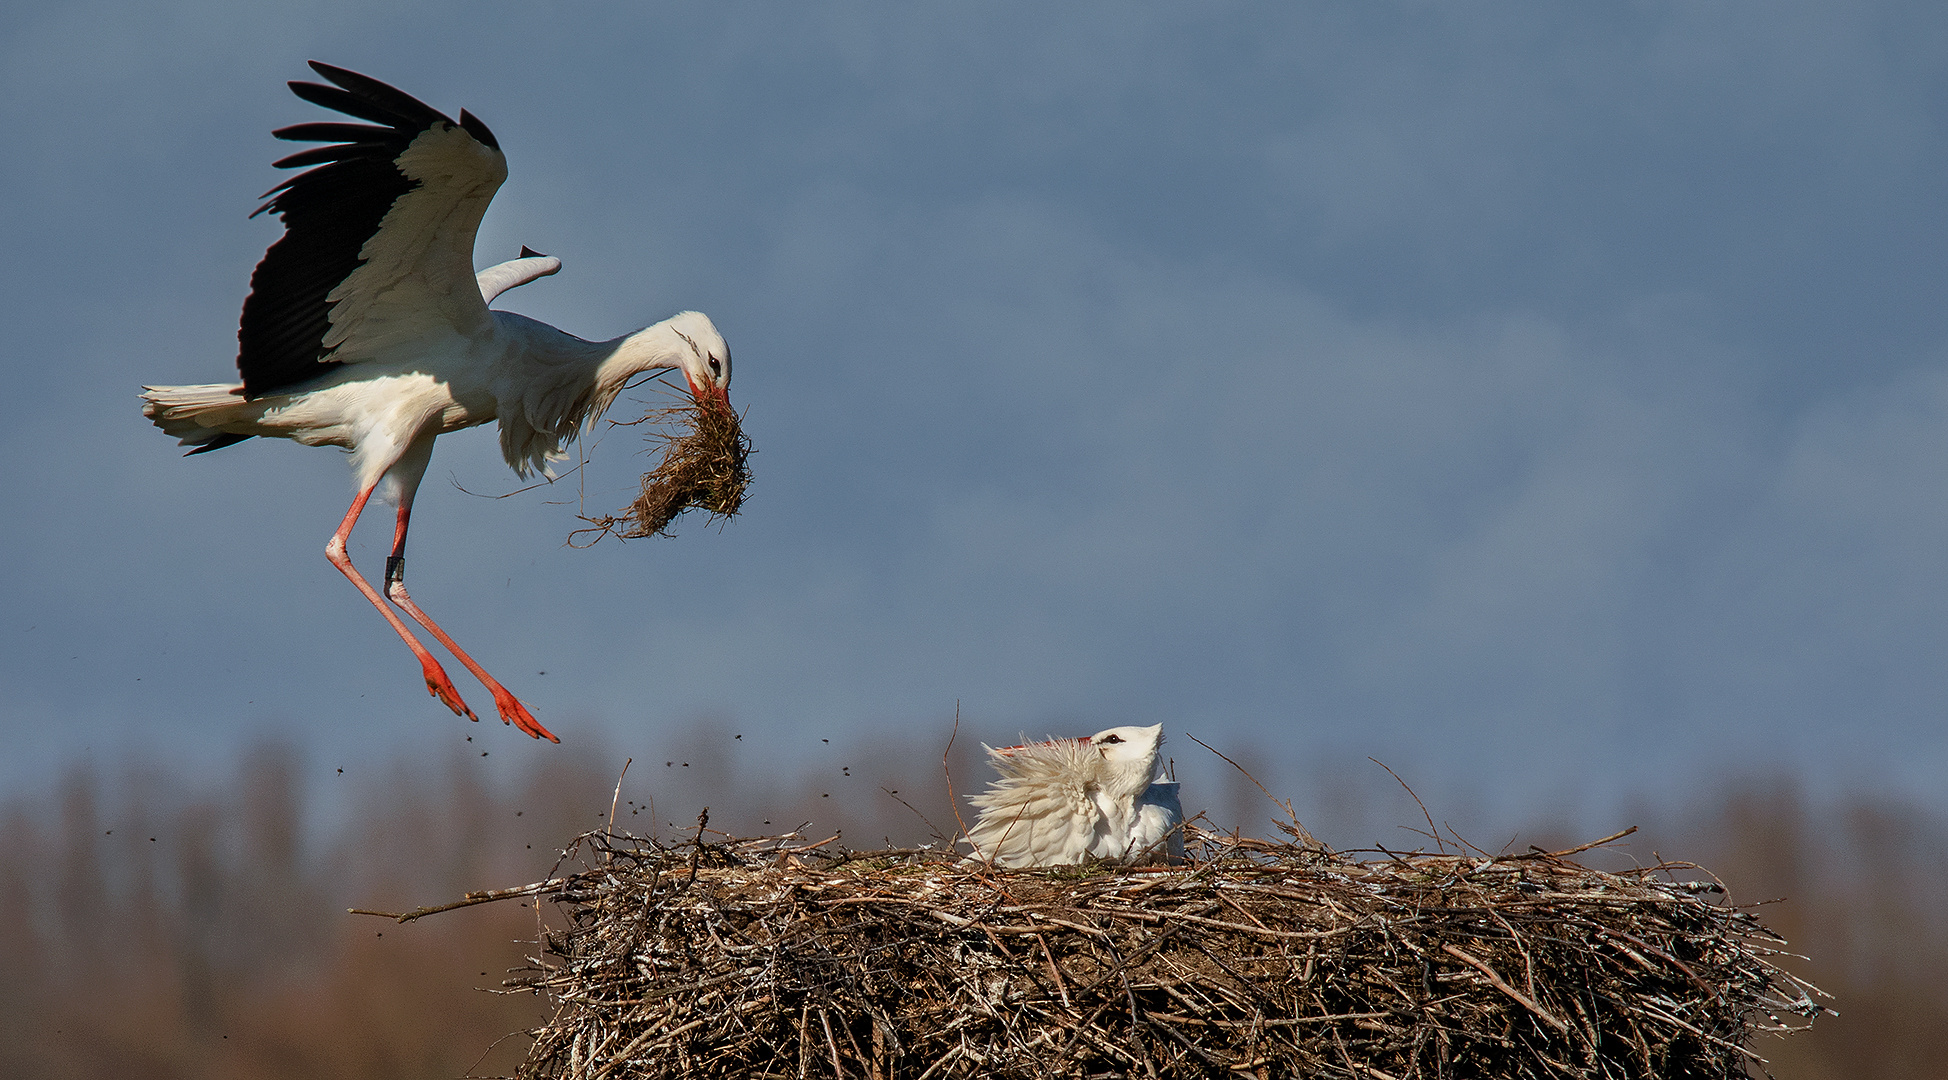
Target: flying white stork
x=366 y=328
x=1060 y=802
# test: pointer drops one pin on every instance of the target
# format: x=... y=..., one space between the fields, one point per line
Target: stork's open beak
x=707 y=394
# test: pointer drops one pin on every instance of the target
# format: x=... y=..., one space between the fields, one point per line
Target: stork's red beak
x=707 y=394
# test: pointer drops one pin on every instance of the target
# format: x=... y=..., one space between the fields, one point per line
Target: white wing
x=377 y=252
x=417 y=279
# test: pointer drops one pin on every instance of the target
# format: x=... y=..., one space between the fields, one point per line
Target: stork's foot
x=513 y=712
x=438 y=685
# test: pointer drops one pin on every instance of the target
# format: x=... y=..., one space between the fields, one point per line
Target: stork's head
x=704 y=358
x=1129 y=759
x=1127 y=745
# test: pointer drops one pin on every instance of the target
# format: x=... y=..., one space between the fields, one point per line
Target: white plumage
x=1060 y=802
x=367 y=328
x=1157 y=834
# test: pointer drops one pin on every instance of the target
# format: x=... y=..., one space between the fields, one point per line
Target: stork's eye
x=716 y=365
x=1112 y=738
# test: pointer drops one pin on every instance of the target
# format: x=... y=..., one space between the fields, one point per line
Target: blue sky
x=1551 y=400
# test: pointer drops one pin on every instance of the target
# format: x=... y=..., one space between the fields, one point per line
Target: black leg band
x=395 y=570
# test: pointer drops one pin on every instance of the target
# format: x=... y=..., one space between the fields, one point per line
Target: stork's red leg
x=437 y=683
x=512 y=711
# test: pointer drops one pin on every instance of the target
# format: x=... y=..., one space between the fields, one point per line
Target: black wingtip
x=529 y=253
x=367 y=98
x=218 y=443
x=336 y=74
x=478 y=130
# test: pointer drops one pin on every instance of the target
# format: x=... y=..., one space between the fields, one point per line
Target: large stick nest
x=773 y=958
x=704 y=466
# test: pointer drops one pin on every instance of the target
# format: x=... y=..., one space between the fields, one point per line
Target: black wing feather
x=402 y=105
x=218 y=443
x=318 y=156
x=337 y=100
x=331 y=132
x=478 y=129
x=329 y=213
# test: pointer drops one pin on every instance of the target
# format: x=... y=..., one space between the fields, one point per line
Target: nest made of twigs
x=768 y=958
x=705 y=465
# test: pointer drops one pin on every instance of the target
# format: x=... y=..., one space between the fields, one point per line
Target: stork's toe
x=438 y=685
x=513 y=712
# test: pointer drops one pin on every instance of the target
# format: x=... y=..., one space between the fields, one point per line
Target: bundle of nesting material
x=776 y=958
x=705 y=465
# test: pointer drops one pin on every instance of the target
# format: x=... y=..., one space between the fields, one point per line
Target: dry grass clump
x=775 y=958
x=704 y=466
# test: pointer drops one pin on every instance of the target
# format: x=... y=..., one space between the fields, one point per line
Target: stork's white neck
x=652 y=348
x=554 y=382
x=566 y=381
x=1123 y=780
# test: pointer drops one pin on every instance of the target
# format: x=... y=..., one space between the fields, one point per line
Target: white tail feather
x=197 y=414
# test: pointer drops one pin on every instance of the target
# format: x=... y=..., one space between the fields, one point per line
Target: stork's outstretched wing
x=378 y=239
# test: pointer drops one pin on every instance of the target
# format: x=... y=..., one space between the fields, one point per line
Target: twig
x=1235 y=765
x=470 y=900
x=545 y=481
x=832 y=1043
x=946 y=768
x=1526 y=1001
x=1433 y=830
x=617 y=797
x=933 y=829
x=1580 y=848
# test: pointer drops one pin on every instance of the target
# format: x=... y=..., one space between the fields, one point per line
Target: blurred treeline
x=154 y=928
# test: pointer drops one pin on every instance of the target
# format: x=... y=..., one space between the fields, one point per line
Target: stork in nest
x=1067 y=801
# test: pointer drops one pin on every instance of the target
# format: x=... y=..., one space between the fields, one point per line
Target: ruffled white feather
x=1061 y=802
